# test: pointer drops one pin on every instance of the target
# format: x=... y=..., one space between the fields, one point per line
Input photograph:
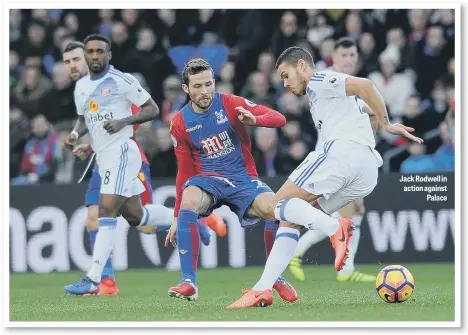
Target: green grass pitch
x=143 y=297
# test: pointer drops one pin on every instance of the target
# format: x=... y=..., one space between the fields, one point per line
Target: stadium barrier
x=405 y=222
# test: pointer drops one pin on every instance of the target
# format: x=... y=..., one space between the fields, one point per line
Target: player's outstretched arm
x=251 y=114
x=365 y=89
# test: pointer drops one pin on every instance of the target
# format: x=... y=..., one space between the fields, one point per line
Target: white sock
x=310 y=238
x=157 y=216
x=353 y=246
x=302 y=213
x=279 y=258
x=105 y=240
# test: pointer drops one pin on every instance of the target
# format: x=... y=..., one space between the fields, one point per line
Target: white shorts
x=119 y=166
x=340 y=172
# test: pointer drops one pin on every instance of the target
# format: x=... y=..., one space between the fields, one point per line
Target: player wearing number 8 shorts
x=103 y=100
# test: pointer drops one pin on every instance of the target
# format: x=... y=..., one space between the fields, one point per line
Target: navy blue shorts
x=94 y=186
x=237 y=195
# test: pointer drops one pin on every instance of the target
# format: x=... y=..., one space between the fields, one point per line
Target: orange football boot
x=340 y=241
x=108 y=286
x=253 y=298
x=285 y=290
x=185 y=290
x=216 y=223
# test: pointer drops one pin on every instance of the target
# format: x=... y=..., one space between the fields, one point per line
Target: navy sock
x=188 y=243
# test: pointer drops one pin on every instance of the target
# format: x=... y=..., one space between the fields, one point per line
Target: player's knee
x=146 y=230
x=191 y=199
x=359 y=208
x=106 y=211
x=133 y=217
x=285 y=224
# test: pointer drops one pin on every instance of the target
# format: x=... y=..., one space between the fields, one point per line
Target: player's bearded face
x=201 y=89
x=293 y=78
x=75 y=64
x=301 y=84
x=97 y=56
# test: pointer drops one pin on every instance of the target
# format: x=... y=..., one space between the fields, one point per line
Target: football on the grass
x=394 y=284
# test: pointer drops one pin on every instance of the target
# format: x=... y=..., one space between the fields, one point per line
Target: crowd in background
x=408 y=55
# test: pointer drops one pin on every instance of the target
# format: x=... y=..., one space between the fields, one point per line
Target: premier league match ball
x=394 y=284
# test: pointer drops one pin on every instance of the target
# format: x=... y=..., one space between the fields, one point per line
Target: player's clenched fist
x=246 y=117
x=113 y=126
x=70 y=141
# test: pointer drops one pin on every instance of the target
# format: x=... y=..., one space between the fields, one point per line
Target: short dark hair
x=73 y=45
x=293 y=54
x=97 y=37
x=344 y=42
x=195 y=66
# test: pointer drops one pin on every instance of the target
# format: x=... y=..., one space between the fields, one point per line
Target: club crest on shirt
x=93 y=106
x=105 y=91
x=220 y=117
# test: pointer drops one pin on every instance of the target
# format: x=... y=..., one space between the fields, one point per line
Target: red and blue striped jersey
x=216 y=142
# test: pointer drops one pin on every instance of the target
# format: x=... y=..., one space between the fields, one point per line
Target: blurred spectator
x=16 y=31
x=257 y=90
x=72 y=23
x=121 y=44
x=174 y=97
x=352 y=27
x=58 y=104
x=151 y=59
x=244 y=34
x=35 y=45
x=266 y=63
x=418 y=161
x=105 y=26
x=30 y=89
x=418 y=23
x=326 y=51
x=368 y=56
x=431 y=59
x=41 y=155
x=318 y=30
x=396 y=37
x=15 y=68
x=266 y=140
x=163 y=162
x=287 y=34
x=208 y=30
x=444 y=157
x=19 y=133
x=394 y=87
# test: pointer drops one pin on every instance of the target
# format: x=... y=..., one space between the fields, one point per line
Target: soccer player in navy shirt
x=216 y=167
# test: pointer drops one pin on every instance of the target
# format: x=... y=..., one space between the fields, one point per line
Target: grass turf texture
x=143 y=297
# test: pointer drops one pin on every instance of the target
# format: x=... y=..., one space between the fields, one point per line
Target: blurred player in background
x=345 y=59
x=77 y=68
x=344 y=169
x=216 y=168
